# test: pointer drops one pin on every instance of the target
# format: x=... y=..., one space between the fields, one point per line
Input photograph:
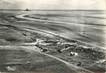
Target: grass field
x=46 y=41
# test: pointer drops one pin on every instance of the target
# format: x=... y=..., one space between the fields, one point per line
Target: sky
x=53 y=4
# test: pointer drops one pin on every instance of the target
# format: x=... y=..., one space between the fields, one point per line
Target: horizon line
x=56 y=9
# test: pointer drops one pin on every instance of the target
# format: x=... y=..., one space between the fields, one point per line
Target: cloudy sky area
x=53 y=4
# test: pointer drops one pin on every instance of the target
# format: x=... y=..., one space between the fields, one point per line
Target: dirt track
x=22 y=30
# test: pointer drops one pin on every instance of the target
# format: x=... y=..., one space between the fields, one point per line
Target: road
x=91 y=34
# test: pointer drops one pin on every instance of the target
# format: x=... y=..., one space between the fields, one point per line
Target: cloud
x=67 y=4
x=54 y=4
x=7 y=4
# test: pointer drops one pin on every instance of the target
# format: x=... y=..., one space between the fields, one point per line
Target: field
x=53 y=41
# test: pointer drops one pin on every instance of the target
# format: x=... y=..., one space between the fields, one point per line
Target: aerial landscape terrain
x=52 y=41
